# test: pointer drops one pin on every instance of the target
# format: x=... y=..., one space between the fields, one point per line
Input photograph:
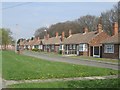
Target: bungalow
x=111 y=46
x=87 y=43
x=29 y=44
x=78 y=43
x=36 y=43
x=95 y=45
x=52 y=44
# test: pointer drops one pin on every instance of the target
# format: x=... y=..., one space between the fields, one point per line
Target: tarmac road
x=70 y=60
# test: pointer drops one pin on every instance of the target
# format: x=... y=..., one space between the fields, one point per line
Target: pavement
x=58 y=58
x=11 y=82
x=2 y=83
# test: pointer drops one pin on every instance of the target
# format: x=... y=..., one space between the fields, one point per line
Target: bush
x=60 y=51
x=35 y=49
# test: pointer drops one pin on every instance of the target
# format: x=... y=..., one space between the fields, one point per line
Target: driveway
x=70 y=60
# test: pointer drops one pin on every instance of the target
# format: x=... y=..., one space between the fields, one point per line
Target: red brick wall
x=114 y=55
x=83 y=53
x=57 y=48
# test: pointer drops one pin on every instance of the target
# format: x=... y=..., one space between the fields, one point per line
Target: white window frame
x=74 y=46
x=70 y=46
x=80 y=47
x=109 y=48
x=52 y=47
x=61 y=47
x=40 y=47
x=83 y=47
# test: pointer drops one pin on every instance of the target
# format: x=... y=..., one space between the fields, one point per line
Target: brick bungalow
x=111 y=46
x=78 y=43
x=36 y=43
x=52 y=44
x=95 y=46
x=29 y=44
x=87 y=43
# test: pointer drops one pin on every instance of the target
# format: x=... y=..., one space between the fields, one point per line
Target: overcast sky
x=31 y=16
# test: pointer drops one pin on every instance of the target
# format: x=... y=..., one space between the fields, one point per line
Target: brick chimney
x=85 y=30
x=99 y=28
x=115 y=28
x=29 y=40
x=63 y=35
x=38 y=38
x=48 y=36
x=56 y=34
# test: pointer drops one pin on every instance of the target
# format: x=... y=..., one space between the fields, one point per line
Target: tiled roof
x=52 y=40
x=80 y=38
x=115 y=39
x=22 y=42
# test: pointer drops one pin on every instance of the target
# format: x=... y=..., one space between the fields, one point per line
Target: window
x=109 y=49
x=73 y=46
x=40 y=46
x=83 y=47
x=52 y=46
x=60 y=47
x=70 y=46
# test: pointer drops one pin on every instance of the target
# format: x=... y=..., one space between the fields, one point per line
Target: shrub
x=35 y=49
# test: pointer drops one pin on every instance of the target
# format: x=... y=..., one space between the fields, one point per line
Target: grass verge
x=109 y=83
x=97 y=59
x=20 y=67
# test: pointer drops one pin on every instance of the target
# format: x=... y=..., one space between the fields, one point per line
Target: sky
x=23 y=18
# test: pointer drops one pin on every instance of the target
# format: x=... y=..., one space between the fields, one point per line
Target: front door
x=91 y=51
x=96 y=51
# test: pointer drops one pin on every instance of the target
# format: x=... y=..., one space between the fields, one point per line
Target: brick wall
x=114 y=55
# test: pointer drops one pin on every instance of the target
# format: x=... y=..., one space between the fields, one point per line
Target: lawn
x=98 y=59
x=109 y=83
x=20 y=67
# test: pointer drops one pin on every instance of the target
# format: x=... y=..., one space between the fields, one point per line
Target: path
x=71 y=60
x=11 y=82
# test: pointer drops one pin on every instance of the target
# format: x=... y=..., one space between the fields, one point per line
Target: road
x=70 y=60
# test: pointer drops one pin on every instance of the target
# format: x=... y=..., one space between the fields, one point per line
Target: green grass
x=98 y=59
x=109 y=83
x=20 y=67
x=0 y=63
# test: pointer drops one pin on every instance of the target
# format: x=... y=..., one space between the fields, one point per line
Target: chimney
x=29 y=40
x=115 y=28
x=70 y=32
x=85 y=30
x=48 y=36
x=63 y=35
x=99 y=28
x=38 y=38
x=56 y=34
